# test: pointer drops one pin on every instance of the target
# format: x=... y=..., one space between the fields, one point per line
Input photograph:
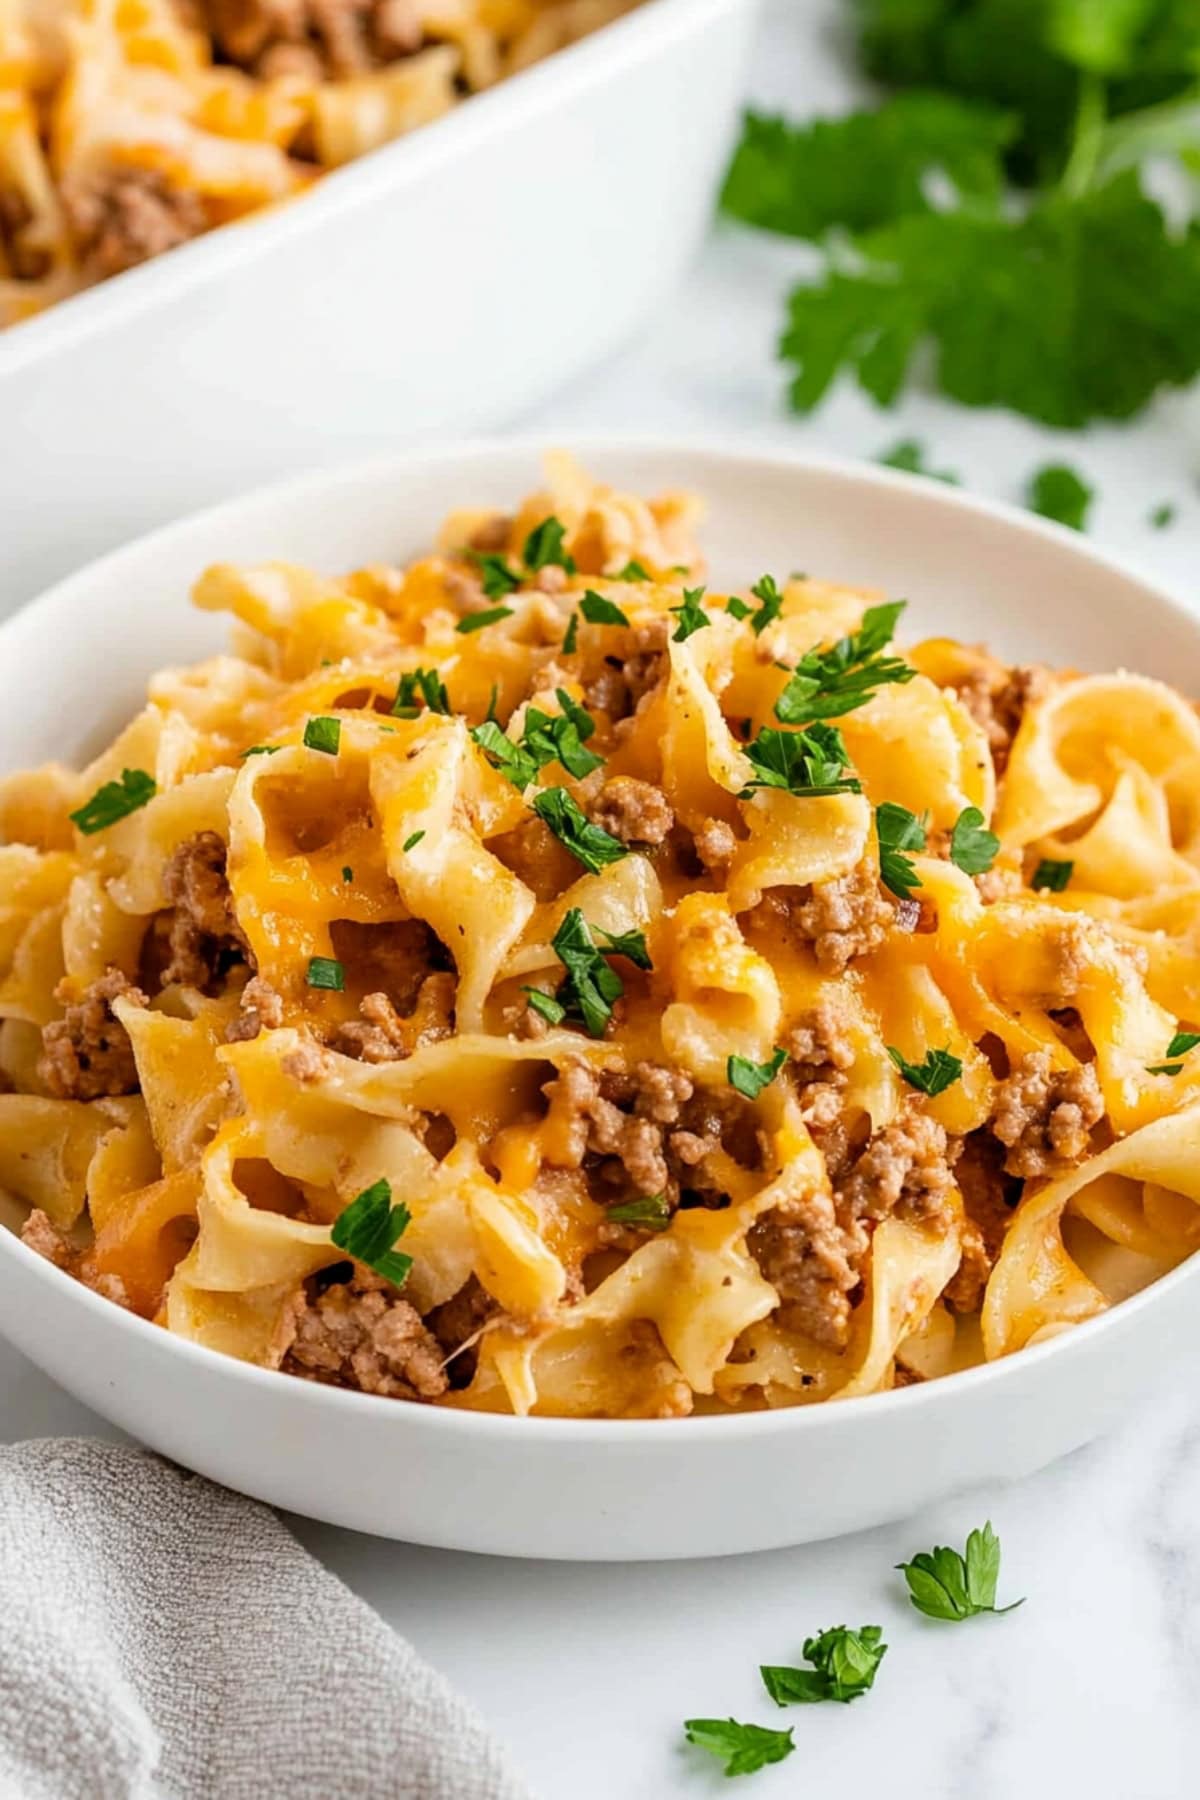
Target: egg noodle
x=527 y=981
x=130 y=126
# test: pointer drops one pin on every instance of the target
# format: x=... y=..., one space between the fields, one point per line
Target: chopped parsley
x=545 y=1004
x=690 y=613
x=629 y=944
x=368 y=1230
x=899 y=830
x=934 y=1075
x=633 y=571
x=514 y=762
x=496 y=577
x=478 y=621
x=1164 y=515
x=770 y=600
x=115 y=800
x=326 y=972
x=261 y=750
x=742 y=1748
x=599 y=611
x=845 y=1664
x=544 y=546
x=324 y=735
x=944 y=1585
x=410 y=843
x=417 y=687
x=972 y=848
x=347 y=873
x=545 y=739
x=1180 y=1044
x=909 y=457
x=1059 y=493
x=571 y=635
x=828 y=683
x=1052 y=876
x=650 y=1211
x=750 y=1078
x=812 y=762
x=591 y=985
x=589 y=844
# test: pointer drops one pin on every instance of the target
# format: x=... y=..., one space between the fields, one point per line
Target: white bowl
x=75 y=663
x=440 y=285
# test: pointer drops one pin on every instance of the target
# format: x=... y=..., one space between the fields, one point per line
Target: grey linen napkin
x=164 y=1639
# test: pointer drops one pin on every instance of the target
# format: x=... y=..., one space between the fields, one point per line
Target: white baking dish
x=443 y=283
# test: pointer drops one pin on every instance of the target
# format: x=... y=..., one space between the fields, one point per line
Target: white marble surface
x=587 y=1671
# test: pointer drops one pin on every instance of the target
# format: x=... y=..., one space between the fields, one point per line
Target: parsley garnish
x=369 y=1228
x=972 y=848
x=347 y=873
x=770 y=601
x=589 y=844
x=633 y=571
x=514 y=762
x=827 y=683
x=417 y=686
x=944 y=1585
x=1163 y=515
x=899 y=830
x=1180 y=1044
x=591 y=986
x=410 y=843
x=1052 y=876
x=742 y=1748
x=545 y=1004
x=909 y=457
x=115 y=800
x=545 y=739
x=812 y=762
x=261 y=750
x=629 y=944
x=750 y=1078
x=544 y=546
x=934 y=1075
x=496 y=577
x=650 y=1211
x=326 y=972
x=1059 y=493
x=599 y=611
x=479 y=620
x=323 y=734
x=571 y=635
x=691 y=614
x=845 y=1664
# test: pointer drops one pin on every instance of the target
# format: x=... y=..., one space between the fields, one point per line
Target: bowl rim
x=744 y=451
x=652 y=26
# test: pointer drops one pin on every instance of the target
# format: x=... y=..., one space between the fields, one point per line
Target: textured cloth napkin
x=164 y=1639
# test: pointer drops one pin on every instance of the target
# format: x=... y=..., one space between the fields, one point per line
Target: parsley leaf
x=326 y=972
x=845 y=1664
x=571 y=635
x=629 y=944
x=514 y=761
x=323 y=734
x=899 y=830
x=691 y=614
x=417 y=687
x=650 y=1211
x=115 y=800
x=260 y=750
x=972 y=848
x=1180 y=1044
x=478 y=621
x=750 y=1078
x=368 y=1230
x=770 y=603
x=909 y=457
x=591 y=985
x=1163 y=515
x=1059 y=493
x=545 y=1004
x=1052 y=876
x=829 y=683
x=544 y=546
x=599 y=611
x=944 y=1585
x=742 y=1748
x=410 y=843
x=934 y=1075
x=545 y=739
x=497 y=578
x=812 y=762
x=589 y=844
x=633 y=571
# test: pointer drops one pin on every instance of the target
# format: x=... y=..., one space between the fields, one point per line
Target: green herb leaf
x=497 y=578
x=419 y=687
x=410 y=843
x=938 y=1071
x=115 y=800
x=545 y=739
x=261 y=750
x=770 y=600
x=973 y=849
x=1180 y=1044
x=347 y=873
x=909 y=457
x=829 y=683
x=324 y=735
x=944 y=1585
x=813 y=762
x=546 y=1004
x=326 y=972
x=650 y=1211
x=691 y=614
x=571 y=635
x=514 y=761
x=629 y=944
x=750 y=1078
x=742 y=1748
x=369 y=1228
x=599 y=611
x=544 y=546
x=1163 y=515
x=589 y=844
x=633 y=571
x=845 y=1664
x=1052 y=876
x=591 y=985
x=478 y=621
x=899 y=830
x=1060 y=493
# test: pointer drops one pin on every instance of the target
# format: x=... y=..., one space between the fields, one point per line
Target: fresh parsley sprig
x=690 y=613
x=845 y=1664
x=1180 y=1044
x=742 y=1748
x=419 y=688
x=544 y=546
x=589 y=844
x=770 y=604
x=115 y=800
x=828 y=683
x=813 y=763
x=545 y=738
x=598 y=610
x=899 y=830
x=592 y=985
x=1052 y=877
x=370 y=1227
x=973 y=848
x=944 y=1585
x=750 y=1078
x=937 y=1071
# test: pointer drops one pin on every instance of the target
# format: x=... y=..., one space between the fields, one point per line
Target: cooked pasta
x=528 y=981
x=128 y=127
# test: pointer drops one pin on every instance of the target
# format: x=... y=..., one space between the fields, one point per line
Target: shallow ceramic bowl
x=74 y=664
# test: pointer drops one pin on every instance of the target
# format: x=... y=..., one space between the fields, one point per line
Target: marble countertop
x=587 y=1671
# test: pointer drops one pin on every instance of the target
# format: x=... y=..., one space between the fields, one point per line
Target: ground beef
x=87 y=1053
x=1045 y=1115
x=456 y=1322
x=124 y=216
x=715 y=843
x=996 y=700
x=820 y=1053
x=392 y=958
x=314 y=38
x=906 y=1168
x=989 y=1198
x=259 y=1009
x=360 y=1333
x=39 y=1234
x=621 y=685
x=383 y=1035
x=23 y=261
x=634 y=811
x=810 y=1262
x=841 y=919
x=203 y=934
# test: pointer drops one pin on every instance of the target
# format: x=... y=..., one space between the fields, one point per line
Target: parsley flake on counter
x=1180 y=1044
x=1164 y=515
x=944 y=1585
x=323 y=734
x=633 y=571
x=845 y=1664
x=589 y=844
x=742 y=1748
x=591 y=985
x=479 y=621
x=827 y=683
x=750 y=1078
x=326 y=972
x=650 y=1211
x=496 y=577
x=410 y=843
x=417 y=687
x=1052 y=876
x=899 y=830
x=115 y=800
x=571 y=635
x=938 y=1071
x=1060 y=493
x=909 y=457
x=812 y=763
x=544 y=547
x=545 y=1004
x=691 y=614
x=599 y=611
x=370 y=1227
x=972 y=847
